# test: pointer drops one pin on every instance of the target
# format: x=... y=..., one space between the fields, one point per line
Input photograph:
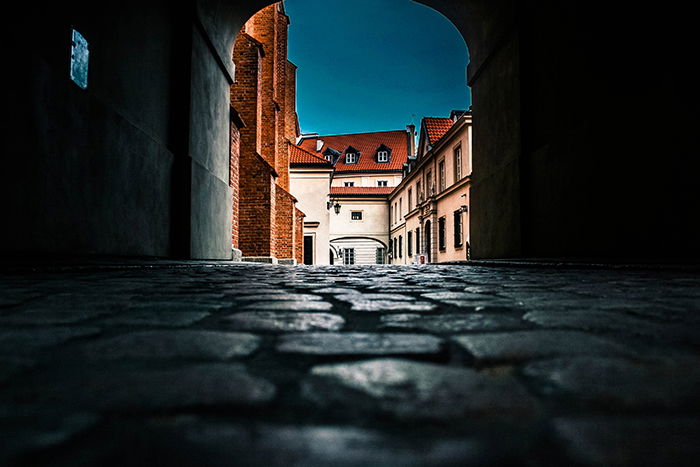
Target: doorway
x=308 y=249
x=427 y=245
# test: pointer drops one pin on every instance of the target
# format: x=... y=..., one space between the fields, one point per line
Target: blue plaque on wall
x=79 y=56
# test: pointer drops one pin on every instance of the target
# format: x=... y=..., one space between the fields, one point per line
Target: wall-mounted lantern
x=333 y=203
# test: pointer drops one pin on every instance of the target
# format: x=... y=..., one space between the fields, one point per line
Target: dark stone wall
x=609 y=145
x=585 y=128
x=88 y=172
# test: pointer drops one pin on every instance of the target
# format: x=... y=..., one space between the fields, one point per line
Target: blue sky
x=373 y=65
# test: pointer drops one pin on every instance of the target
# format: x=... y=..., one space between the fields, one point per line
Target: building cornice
x=374 y=172
x=455 y=186
x=463 y=121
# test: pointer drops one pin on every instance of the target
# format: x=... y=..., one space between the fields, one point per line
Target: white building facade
x=367 y=167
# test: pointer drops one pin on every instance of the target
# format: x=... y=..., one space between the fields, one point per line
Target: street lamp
x=333 y=203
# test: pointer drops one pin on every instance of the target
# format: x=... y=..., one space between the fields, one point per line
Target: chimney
x=411 y=130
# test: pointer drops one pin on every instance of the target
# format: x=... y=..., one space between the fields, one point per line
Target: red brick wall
x=299 y=235
x=257 y=207
x=280 y=97
x=234 y=181
x=285 y=224
x=245 y=89
x=290 y=131
x=264 y=94
x=263 y=30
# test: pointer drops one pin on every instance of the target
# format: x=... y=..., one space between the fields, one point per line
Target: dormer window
x=351 y=155
x=383 y=154
x=331 y=155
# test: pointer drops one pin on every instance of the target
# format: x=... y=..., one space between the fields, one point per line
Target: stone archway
x=566 y=133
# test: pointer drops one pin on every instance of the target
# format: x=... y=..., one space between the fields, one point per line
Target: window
x=458 y=163
x=383 y=156
x=418 y=241
x=348 y=183
x=382 y=183
x=380 y=256
x=419 y=193
x=350 y=158
x=441 y=175
x=348 y=256
x=356 y=215
x=394 y=248
x=329 y=158
x=400 y=208
x=429 y=182
x=395 y=212
x=400 y=246
x=410 y=199
x=391 y=214
x=441 y=233
x=409 y=243
x=458 y=228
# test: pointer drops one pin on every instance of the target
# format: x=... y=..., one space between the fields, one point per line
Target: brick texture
x=264 y=94
x=285 y=224
x=234 y=181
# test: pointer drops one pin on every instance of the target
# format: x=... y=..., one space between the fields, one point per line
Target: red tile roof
x=299 y=155
x=361 y=190
x=436 y=128
x=366 y=144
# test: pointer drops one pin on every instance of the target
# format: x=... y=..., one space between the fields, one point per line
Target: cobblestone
x=285 y=445
x=601 y=382
x=204 y=363
x=633 y=441
x=528 y=345
x=417 y=390
x=357 y=343
x=208 y=345
x=284 y=321
x=296 y=305
x=451 y=323
x=196 y=385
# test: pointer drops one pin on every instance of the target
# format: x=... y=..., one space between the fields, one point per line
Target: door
x=308 y=249
x=426 y=245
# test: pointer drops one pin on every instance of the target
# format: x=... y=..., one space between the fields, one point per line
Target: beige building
x=367 y=168
x=309 y=182
x=429 y=209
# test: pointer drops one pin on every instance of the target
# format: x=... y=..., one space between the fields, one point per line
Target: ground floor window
x=409 y=243
x=418 y=241
x=380 y=255
x=458 y=228
x=400 y=246
x=349 y=256
x=441 y=233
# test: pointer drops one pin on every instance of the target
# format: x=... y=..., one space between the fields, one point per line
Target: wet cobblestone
x=246 y=364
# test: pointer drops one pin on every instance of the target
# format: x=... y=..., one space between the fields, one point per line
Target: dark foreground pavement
x=206 y=365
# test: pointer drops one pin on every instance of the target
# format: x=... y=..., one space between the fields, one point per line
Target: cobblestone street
x=247 y=364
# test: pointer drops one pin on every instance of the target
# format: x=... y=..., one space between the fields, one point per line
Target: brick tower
x=264 y=96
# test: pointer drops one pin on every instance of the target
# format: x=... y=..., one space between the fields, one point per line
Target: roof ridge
x=361 y=133
x=321 y=159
